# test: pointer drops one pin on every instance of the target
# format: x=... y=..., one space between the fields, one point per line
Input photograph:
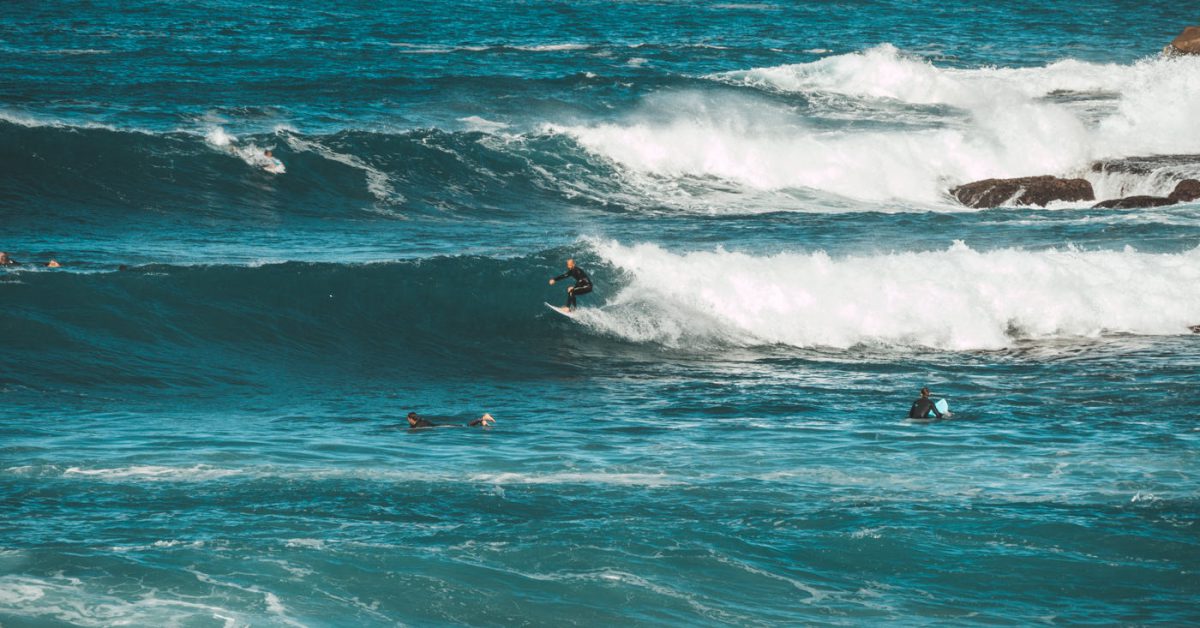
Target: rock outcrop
x=1187 y=191
x=1023 y=191
x=1134 y=202
x=1187 y=43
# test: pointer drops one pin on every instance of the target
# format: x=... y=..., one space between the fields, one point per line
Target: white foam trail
x=250 y=154
x=195 y=473
x=618 y=479
x=206 y=473
x=993 y=122
x=956 y=299
x=553 y=47
x=476 y=123
x=378 y=183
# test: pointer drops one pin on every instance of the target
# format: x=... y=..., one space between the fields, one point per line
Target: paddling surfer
x=583 y=284
x=417 y=421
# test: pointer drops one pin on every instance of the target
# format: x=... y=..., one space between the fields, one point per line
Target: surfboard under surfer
x=923 y=406
x=583 y=284
x=272 y=164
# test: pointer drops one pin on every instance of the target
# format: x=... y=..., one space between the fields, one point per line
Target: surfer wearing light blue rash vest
x=583 y=284
x=923 y=406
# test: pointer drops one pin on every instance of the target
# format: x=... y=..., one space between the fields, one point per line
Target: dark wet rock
x=1134 y=202
x=1146 y=165
x=1023 y=191
x=1187 y=43
x=1187 y=191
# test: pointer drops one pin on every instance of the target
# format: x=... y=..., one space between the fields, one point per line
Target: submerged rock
x=1134 y=202
x=1023 y=191
x=1187 y=43
x=1187 y=191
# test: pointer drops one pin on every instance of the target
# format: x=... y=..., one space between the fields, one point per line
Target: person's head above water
x=924 y=392
x=570 y=264
x=413 y=418
x=3 y=258
x=267 y=152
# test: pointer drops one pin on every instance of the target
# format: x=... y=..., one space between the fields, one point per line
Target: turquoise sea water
x=216 y=435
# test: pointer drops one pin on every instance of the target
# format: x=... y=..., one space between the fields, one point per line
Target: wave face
x=217 y=174
x=186 y=324
x=468 y=314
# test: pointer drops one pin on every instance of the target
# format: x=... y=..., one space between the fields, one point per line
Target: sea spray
x=958 y=298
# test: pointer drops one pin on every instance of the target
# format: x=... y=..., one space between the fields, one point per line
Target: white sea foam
x=69 y=600
x=206 y=473
x=968 y=299
x=553 y=47
x=476 y=123
x=623 y=479
x=993 y=122
x=250 y=153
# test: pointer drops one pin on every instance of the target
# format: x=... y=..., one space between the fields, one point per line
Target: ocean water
x=216 y=436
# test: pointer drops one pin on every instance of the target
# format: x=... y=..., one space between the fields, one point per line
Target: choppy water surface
x=216 y=435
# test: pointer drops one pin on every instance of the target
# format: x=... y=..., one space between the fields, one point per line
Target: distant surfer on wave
x=415 y=421
x=923 y=406
x=583 y=284
x=272 y=164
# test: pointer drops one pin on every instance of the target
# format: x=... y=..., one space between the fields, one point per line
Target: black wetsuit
x=583 y=284
x=424 y=422
x=921 y=408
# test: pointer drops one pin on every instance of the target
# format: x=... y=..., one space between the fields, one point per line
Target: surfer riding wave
x=583 y=284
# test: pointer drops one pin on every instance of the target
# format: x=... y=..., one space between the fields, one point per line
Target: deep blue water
x=216 y=435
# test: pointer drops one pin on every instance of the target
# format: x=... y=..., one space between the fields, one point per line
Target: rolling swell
x=96 y=171
x=168 y=326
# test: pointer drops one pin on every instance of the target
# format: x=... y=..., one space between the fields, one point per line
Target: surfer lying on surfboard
x=583 y=284
x=272 y=164
x=415 y=420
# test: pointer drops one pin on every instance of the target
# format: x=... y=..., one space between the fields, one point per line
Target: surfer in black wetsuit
x=922 y=406
x=583 y=284
x=415 y=420
x=5 y=260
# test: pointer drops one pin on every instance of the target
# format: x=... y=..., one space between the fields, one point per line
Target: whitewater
x=204 y=407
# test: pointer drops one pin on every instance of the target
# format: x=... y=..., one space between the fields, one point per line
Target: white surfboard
x=275 y=167
x=559 y=309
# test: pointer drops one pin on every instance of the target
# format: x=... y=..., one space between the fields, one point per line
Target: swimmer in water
x=5 y=260
x=922 y=406
x=417 y=421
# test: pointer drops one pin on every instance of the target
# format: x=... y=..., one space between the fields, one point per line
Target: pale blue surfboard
x=942 y=406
